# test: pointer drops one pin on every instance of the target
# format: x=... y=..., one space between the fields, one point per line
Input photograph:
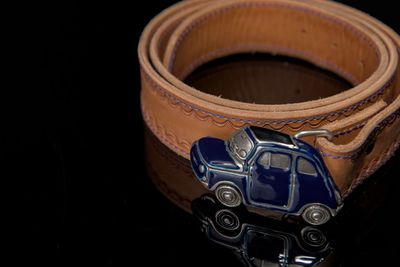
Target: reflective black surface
x=359 y=235
x=87 y=194
x=258 y=241
x=362 y=228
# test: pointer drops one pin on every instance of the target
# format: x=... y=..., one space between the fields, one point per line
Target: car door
x=266 y=248
x=313 y=186
x=270 y=178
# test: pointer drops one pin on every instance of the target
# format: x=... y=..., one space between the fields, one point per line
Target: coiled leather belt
x=365 y=119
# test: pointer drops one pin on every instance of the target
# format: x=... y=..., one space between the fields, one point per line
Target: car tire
x=228 y=195
x=227 y=220
x=316 y=214
x=313 y=237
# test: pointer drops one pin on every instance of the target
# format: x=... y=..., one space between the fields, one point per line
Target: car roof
x=267 y=135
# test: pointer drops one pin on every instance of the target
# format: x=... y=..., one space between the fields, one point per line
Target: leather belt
x=365 y=119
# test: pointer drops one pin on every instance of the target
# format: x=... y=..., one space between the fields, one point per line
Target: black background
x=76 y=154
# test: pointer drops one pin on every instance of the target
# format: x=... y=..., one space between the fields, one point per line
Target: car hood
x=214 y=153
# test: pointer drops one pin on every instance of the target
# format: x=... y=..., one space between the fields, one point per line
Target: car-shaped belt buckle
x=266 y=169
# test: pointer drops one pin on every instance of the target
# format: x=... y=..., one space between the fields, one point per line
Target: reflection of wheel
x=316 y=215
x=228 y=195
x=227 y=220
x=313 y=236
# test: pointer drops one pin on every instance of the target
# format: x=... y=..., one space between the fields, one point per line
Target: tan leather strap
x=365 y=119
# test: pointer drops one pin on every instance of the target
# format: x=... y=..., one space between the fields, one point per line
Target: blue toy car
x=267 y=169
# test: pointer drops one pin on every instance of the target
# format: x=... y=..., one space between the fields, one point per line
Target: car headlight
x=203 y=172
x=202 y=169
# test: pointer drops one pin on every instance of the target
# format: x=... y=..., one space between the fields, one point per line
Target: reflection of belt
x=173 y=176
x=365 y=119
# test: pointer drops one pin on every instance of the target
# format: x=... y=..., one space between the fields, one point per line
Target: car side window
x=304 y=166
x=264 y=159
x=280 y=161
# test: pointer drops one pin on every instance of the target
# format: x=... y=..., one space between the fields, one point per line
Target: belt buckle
x=270 y=170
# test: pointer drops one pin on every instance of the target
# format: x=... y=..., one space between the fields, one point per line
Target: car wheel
x=313 y=237
x=227 y=220
x=228 y=195
x=316 y=215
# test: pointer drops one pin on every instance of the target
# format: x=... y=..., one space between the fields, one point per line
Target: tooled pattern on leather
x=291 y=124
x=163 y=139
x=346 y=131
x=350 y=130
x=272 y=122
x=276 y=5
x=371 y=138
x=171 y=157
x=171 y=139
x=368 y=170
x=372 y=167
x=180 y=146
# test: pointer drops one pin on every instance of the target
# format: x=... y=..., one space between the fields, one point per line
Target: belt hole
x=304 y=31
x=334 y=45
x=369 y=147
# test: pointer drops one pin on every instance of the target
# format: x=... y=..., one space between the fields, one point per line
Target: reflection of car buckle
x=259 y=241
x=318 y=133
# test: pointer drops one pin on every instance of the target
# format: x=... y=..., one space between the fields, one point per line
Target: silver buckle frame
x=318 y=132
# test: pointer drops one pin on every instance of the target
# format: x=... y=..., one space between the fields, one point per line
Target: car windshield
x=240 y=145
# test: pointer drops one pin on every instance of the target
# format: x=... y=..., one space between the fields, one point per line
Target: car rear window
x=304 y=166
x=271 y=136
